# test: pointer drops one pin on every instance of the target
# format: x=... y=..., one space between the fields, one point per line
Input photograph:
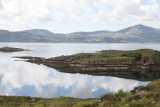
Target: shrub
x=120 y=93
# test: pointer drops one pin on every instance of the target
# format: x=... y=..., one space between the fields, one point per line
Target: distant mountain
x=40 y=32
x=88 y=33
x=3 y=30
x=96 y=36
x=138 y=33
x=137 y=29
x=30 y=36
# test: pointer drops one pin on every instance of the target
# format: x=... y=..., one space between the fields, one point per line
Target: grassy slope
x=135 y=55
x=148 y=96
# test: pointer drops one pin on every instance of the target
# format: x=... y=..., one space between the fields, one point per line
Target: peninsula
x=106 y=61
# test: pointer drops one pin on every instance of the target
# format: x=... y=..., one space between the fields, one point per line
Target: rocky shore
x=11 y=49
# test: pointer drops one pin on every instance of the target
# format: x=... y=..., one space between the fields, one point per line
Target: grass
x=148 y=96
x=103 y=56
x=147 y=51
x=13 y=101
x=132 y=56
x=154 y=86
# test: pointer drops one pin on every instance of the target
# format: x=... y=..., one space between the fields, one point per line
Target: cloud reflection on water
x=22 y=78
x=42 y=81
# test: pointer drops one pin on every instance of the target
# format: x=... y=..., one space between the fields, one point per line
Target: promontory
x=141 y=60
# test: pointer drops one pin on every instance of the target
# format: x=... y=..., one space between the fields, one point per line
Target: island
x=101 y=62
x=142 y=96
x=11 y=49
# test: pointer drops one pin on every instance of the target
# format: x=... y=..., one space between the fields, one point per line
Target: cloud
x=150 y=12
x=130 y=10
x=48 y=12
x=116 y=83
x=1 y=5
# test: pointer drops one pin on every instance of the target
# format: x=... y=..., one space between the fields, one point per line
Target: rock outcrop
x=10 y=49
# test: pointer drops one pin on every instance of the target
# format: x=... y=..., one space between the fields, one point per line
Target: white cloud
x=116 y=83
x=38 y=12
x=151 y=12
x=129 y=12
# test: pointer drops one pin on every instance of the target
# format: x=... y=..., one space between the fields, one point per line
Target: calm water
x=25 y=79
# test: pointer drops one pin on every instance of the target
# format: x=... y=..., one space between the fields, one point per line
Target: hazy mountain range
x=137 y=33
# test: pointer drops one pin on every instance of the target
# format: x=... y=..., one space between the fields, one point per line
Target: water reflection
x=34 y=80
x=28 y=79
x=140 y=76
x=22 y=78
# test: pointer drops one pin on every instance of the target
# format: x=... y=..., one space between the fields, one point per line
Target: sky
x=65 y=16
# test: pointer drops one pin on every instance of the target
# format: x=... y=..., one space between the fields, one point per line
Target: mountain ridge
x=137 y=33
x=139 y=27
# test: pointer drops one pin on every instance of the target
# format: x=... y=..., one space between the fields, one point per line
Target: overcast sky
x=78 y=15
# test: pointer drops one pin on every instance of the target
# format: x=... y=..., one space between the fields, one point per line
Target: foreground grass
x=148 y=96
x=12 y=101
